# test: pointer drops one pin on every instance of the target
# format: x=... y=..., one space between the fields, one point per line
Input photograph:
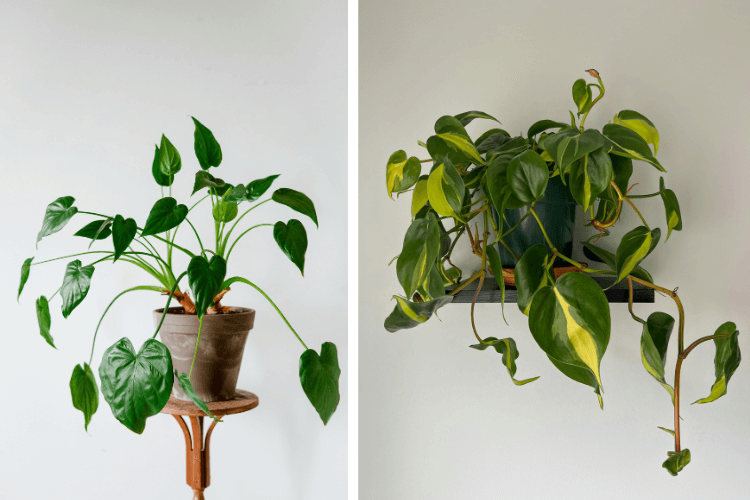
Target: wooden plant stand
x=197 y=456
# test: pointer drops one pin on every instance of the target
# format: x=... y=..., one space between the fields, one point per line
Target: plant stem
x=701 y=340
x=630 y=300
x=463 y=285
x=634 y=196
x=601 y=94
x=169 y=299
x=512 y=254
x=53 y=295
x=196 y=235
x=241 y=235
x=680 y=309
x=481 y=277
x=197 y=342
x=549 y=242
x=241 y=216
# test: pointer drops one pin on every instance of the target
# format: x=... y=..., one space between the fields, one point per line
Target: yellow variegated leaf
x=419 y=196
x=640 y=125
x=462 y=143
x=401 y=173
x=445 y=191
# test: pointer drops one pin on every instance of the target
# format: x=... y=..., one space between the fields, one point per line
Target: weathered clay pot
x=217 y=365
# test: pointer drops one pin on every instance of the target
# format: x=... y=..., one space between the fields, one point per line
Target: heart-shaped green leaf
x=58 y=213
x=676 y=461
x=401 y=173
x=169 y=158
x=44 y=319
x=187 y=388
x=654 y=342
x=224 y=211
x=452 y=131
x=123 y=233
x=136 y=386
x=439 y=149
x=446 y=190
x=506 y=347
x=407 y=314
x=75 y=285
x=640 y=125
x=419 y=253
x=589 y=176
x=84 y=392
x=469 y=116
x=528 y=176
x=580 y=375
x=543 y=125
x=622 y=168
x=258 y=187
x=609 y=259
x=207 y=150
x=624 y=142
x=571 y=323
x=205 y=279
x=203 y=180
x=296 y=201
x=319 y=376
x=236 y=195
x=530 y=275
x=159 y=177
x=96 y=230
x=419 y=196
x=497 y=187
x=633 y=248
x=165 y=215
x=292 y=239
x=569 y=145
x=25 y=270
x=726 y=361
x=672 y=209
x=581 y=95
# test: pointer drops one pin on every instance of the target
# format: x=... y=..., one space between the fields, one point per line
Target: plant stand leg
x=197 y=467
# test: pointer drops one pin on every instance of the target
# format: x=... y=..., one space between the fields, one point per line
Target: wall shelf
x=491 y=292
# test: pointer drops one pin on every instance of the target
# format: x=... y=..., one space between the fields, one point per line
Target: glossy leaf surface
x=407 y=314
x=580 y=375
x=258 y=187
x=445 y=190
x=205 y=279
x=25 y=270
x=292 y=239
x=224 y=211
x=136 y=386
x=671 y=208
x=44 y=319
x=419 y=253
x=57 y=216
x=454 y=134
x=187 y=388
x=581 y=95
x=543 y=125
x=633 y=248
x=296 y=201
x=589 y=176
x=159 y=177
x=204 y=179
x=640 y=125
x=506 y=347
x=207 y=149
x=726 y=361
x=530 y=275
x=468 y=116
x=75 y=285
x=569 y=145
x=609 y=259
x=98 y=229
x=84 y=392
x=527 y=176
x=123 y=233
x=654 y=342
x=401 y=173
x=165 y=215
x=419 y=196
x=170 y=161
x=319 y=376
x=439 y=149
x=497 y=185
x=625 y=142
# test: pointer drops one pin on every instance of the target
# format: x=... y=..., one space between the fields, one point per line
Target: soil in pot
x=217 y=365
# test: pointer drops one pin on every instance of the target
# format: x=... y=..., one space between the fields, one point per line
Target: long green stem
x=601 y=94
x=226 y=238
x=241 y=235
x=541 y=226
x=169 y=299
x=197 y=343
x=53 y=295
x=196 y=235
x=463 y=285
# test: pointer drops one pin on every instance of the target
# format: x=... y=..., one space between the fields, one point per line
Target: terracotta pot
x=510 y=279
x=217 y=365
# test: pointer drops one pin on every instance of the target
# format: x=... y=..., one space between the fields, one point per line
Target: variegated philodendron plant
x=569 y=316
x=137 y=385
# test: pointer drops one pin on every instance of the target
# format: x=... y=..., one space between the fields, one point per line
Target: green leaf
x=445 y=190
x=75 y=285
x=581 y=376
x=296 y=201
x=419 y=196
x=207 y=150
x=44 y=319
x=581 y=95
x=407 y=314
x=419 y=253
x=96 y=230
x=672 y=209
x=205 y=279
x=640 y=125
x=25 y=269
x=454 y=134
x=506 y=347
x=221 y=190
x=187 y=388
x=589 y=176
x=496 y=264
x=136 y=386
x=633 y=248
x=609 y=259
x=676 y=461
x=292 y=239
x=490 y=141
x=432 y=287
x=569 y=145
x=530 y=275
x=468 y=116
x=169 y=158
x=159 y=177
x=625 y=142
x=726 y=361
x=497 y=185
x=258 y=187
x=58 y=213
x=528 y=176
x=401 y=173
x=123 y=233
x=452 y=275
x=654 y=342
x=668 y=431
x=84 y=392
x=623 y=169
x=165 y=215
x=224 y=211
x=571 y=323
x=203 y=179
x=236 y=195
x=439 y=149
x=543 y=125
x=319 y=376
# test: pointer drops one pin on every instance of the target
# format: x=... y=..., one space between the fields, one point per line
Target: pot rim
x=172 y=312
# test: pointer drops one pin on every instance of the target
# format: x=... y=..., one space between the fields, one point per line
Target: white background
x=87 y=88
x=441 y=421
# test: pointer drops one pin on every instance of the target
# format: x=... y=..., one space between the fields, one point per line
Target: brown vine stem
x=630 y=300
x=463 y=285
x=481 y=278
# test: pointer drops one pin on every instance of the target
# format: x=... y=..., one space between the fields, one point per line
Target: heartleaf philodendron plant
x=569 y=316
x=138 y=385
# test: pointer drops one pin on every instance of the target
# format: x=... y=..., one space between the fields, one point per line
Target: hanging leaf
x=159 y=177
x=528 y=176
x=497 y=185
x=75 y=285
x=136 y=386
x=640 y=125
x=407 y=314
x=468 y=116
x=84 y=392
x=224 y=211
x=569 y=145
x=432 y=287
x=123 y=233
x=589 y=176
x=543 y=125
x=58 y=213
x=187 y=388
x=672 y=209
x=207 y=150
x=25 y=269
x=530 y=275
x=506 y=347
x=419 y=253
x=726 y=361
x=296 y=201
x=633 y=248
x=203 y=180
x=581 y=95
x=205 y=279
x=570 y=321
x=96 y=230
x=258 y=187
x=165 y=215
x=445 y=190
x=419 y=196
x=676 y=461
x=292 y=239
x=169 y=158
x=654 y=342
x=580 y=375
x=624 y=142
x=44 y=319
x=609 y=259
x=319 y=376
x=401 y=173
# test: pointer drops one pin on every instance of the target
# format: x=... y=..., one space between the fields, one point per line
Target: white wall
x=87 y=88
x=441 y=421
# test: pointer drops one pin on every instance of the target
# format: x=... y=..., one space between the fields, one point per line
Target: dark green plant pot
x=556 y=211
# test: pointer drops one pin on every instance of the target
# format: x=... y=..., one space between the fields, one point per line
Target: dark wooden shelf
x=491 y=292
